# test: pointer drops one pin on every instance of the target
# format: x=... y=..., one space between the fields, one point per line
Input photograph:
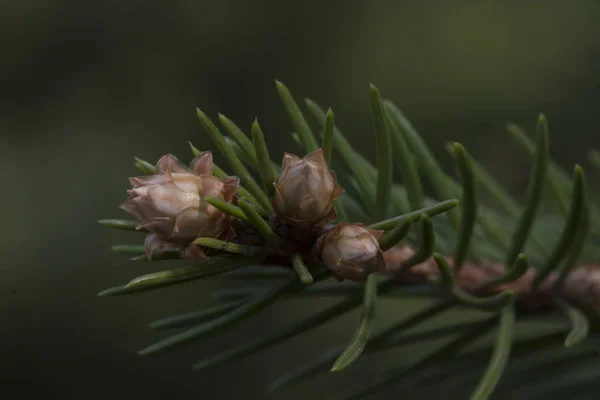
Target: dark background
x=86 y=85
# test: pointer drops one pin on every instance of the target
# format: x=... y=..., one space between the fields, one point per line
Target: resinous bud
x=351 y=251
x=171 y=204
x=305 y=191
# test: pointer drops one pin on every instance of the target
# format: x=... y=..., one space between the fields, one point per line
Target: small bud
x=305 y=191
x=351 y=251
x=171 y=204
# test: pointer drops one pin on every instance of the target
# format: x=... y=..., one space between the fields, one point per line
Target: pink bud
x=172 y=207
x=351 y=251
x=305 y=190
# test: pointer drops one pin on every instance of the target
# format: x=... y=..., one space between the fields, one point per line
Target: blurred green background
x=86 y=85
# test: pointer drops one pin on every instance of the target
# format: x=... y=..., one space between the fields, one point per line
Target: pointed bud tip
x=203 y=117
x=579 y=172
x=376 y=97
x=458 y=147
x=108 y=292
x=144 y=352
x=195 y=151
x=155 y=325
x=542 y=125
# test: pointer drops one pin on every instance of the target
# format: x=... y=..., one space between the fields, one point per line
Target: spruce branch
x=331 y=223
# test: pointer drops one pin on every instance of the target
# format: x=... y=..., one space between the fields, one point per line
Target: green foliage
x=570 y=230
x=263 y=159
x=301 y=270
x=439 y=226
x=470 y=206
x=361 y=337
x=534 y=194
x=384 y=157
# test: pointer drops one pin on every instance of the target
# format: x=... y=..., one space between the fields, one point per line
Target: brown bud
x=305 y=190
x=351 y=251
x=171 y=204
